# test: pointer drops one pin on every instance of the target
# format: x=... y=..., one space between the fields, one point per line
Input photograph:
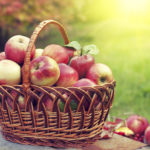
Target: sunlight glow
x=133 y=6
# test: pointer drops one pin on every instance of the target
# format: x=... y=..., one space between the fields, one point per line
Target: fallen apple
x=10 y=72
x=57 y=52
x=15 y=48
x=147 y=135
x=100 y=74
x=44 y=71
x=68 y=76
x=137 y=124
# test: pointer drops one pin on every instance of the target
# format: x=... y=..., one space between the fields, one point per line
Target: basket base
x=57 y=143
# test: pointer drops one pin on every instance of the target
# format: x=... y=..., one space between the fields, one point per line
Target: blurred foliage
x=21 y=16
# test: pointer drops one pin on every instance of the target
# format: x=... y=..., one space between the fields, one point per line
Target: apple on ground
x=44 y=71
x=86 y=82
x=147 y=135
x=15 y=48
x=20 y=100
x=100 y=74
x=10 y=72
x=137 y=124
x=57 y=52
x=38 y=52
x=82 y=64
x=2 y=56
x=68 y=76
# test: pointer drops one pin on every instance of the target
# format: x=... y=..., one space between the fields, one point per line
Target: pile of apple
x=135 y=127
x=55 y=65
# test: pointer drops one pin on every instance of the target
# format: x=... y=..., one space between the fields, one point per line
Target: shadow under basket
x=34 y=124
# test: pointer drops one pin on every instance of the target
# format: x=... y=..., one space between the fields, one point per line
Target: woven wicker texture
x=35 y=125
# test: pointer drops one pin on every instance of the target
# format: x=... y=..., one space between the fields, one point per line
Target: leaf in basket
x=90 y=49
x=74 y=45
x=73 y=105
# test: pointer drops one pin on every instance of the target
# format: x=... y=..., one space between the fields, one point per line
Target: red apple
x=48 y=103
x=57 y=52
x=100 y=74
x=44 y=71
x=2 y=56
x=38 y=52
x=70 y=51
x=10 y=72
x=137 y=124
x=16 y=47
x=81 y=64
x=68 y=76
x=147 y=135
x=86 y=82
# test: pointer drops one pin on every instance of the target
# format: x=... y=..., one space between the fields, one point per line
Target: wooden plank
x=116 y=143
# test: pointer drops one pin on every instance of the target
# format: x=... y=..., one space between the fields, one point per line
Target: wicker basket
x=38 y=126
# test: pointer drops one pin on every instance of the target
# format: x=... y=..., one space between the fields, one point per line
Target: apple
x=57 y=52
x=86 y=82
x=15 y=48
x=68 y=76
x=100 y=74
x=137 y=123
x=2 y=56
x=20 y=98
x=38 y=52
x=70 y=51
x=82 y=64
x=10 y=72
x=147 y=135
x=44 y=71
x=48 y=102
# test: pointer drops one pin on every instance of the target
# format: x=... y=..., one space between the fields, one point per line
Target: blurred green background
x=119 y=28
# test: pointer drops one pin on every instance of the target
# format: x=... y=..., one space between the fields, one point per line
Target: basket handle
x=38 y=29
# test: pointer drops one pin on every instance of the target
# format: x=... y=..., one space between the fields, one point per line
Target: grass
x=125 y=47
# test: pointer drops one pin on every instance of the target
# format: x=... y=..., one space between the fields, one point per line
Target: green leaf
x=90 y=49
x=74 y=44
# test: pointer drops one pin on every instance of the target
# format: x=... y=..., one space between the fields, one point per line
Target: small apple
x=68 y=76
x=137 y=124
x=38 y=52
x=2 y=56
x=48 y=103
x=147 y=135
x=10 y=72
x=44 y=71
x=100 y=74
x=15 y=48
x=57 y=52
x=82 y=64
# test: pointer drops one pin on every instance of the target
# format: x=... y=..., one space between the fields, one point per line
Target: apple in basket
x=10 y=72
x=38 y=52
x=44 y=71
x=57 y=52
x=82 y=63
x=100 y=74
x=68 y=76
x=20 y=100
x=15 y=48
x=2 y=56
x=82 y=83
